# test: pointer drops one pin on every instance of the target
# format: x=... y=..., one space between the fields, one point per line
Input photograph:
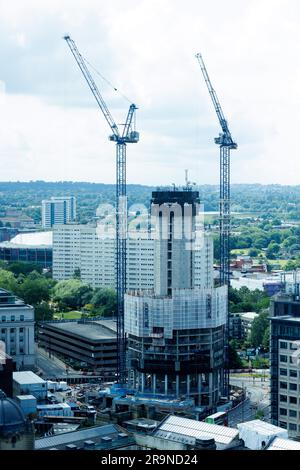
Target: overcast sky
x=51 y=128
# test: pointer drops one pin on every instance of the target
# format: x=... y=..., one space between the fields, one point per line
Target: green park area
x=72 y=315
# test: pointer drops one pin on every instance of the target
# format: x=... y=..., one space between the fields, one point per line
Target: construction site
x=172 y=341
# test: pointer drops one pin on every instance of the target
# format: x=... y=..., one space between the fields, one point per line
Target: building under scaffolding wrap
x=176 y=332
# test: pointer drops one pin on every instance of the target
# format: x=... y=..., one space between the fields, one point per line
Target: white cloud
x=51 y=128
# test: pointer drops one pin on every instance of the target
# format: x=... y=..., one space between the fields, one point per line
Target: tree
x=266 y=338
x=106 y=300
x=258 y=330
x=272 y=250
x=8 y=281
x=43 y=312
x=276 y=222
x=19 y=267
x=261 y=242
x=253 y=252
x=289 y=241
x=235 y=361
x=35 y=288
x=246 y=300
x=72 y=292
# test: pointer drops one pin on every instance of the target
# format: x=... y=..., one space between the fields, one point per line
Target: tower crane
x=226 y=143
x=127 y=136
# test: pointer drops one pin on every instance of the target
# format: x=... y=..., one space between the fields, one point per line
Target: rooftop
x=248 y=315
x=186 y=431
x=25 y=397
x=27 y=377
x=92 y=330
x=12 y=418
x=29 y=240
x=284 y=444
x=96 y=434
x=8 y=299
x=142 y=423
x=288 y=318
x=261 y=427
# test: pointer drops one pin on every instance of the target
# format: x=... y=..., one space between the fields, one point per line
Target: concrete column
x=166 y=384
x=199 y=384
x=133 y=379
x=210 y=387
x=154 y=384
x=17 y=340
x=188 y=384
x=143 y=382
x=177 y=385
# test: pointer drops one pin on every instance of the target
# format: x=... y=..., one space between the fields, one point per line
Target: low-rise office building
x=17 y=329
x=90 y=343
x=34 y=247
x=240 y=324
x=28 y=383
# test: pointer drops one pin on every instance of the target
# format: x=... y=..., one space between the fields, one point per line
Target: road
x=257 y=391
x=51 y=367
x=243 y=412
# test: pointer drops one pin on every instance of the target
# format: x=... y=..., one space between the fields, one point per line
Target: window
x=293 y=427
x=21 y=330
x=283 y=372
x=283 y=344
x=283 y=398
x=282 y=358
x=283 y=411
x=3 y=318
x=146 y=315
x=283 y=385
x=21 y=317
x=282 y=424
x=293 y=386
x=293 y=413
x=293 y=373
x=3 y=331
x=293 y=400
x=13 y=318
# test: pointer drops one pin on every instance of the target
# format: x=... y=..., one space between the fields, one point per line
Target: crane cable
x=107 y=81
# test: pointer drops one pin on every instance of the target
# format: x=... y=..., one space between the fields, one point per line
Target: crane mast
x=226 y=143
x=129 y=135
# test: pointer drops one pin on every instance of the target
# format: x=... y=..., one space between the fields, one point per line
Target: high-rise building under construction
x=176 y=331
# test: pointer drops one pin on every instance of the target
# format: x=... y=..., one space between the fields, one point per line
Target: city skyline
x=53 y=130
